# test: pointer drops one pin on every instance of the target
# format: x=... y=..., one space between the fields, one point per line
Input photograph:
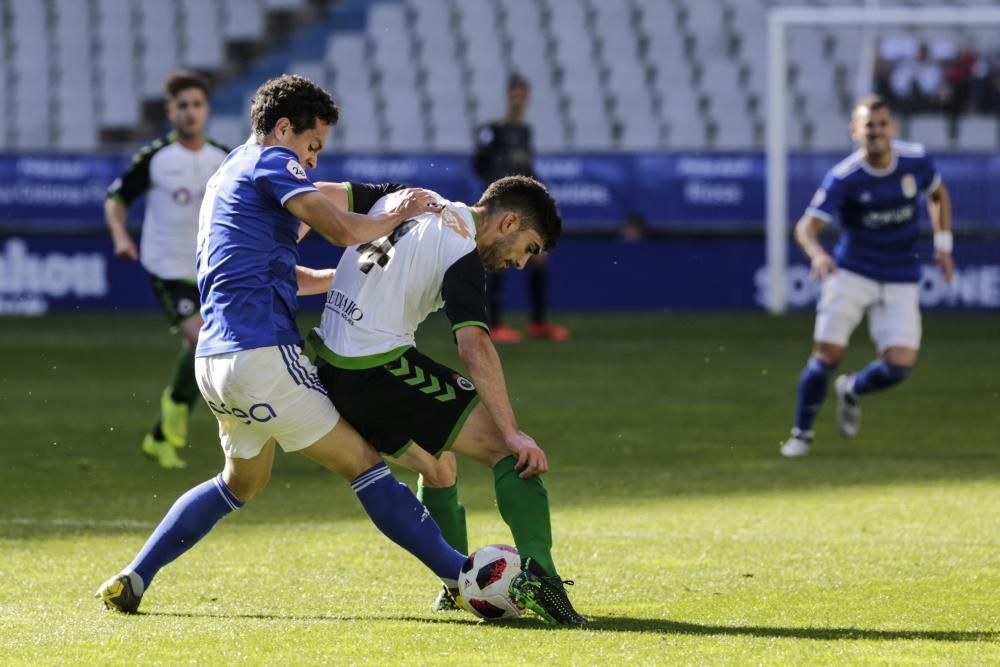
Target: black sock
x=494 y=297
x=538 y=279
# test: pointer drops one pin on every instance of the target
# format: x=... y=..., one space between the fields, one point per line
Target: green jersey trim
x=470 y=323
x=402 y=450
x=475 y=222
x=350 y=196
x=354 y=363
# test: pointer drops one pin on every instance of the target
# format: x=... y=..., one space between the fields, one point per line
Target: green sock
x=183 y=387
x=447 y=512
x=524 y=506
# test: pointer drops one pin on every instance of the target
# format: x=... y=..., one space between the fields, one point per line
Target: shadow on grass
x=453 y=619
x=642 y=625
x=666 y=626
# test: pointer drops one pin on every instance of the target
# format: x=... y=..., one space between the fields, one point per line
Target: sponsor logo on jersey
x=296 y=170
x=258 y=412
x=464 y=384
x=343 y=305
x=909 y=185
x=892 y=216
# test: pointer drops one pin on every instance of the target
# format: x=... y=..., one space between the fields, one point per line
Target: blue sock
x=189 y=520
x=399 y=515
x=878 y=375
x=812 y=391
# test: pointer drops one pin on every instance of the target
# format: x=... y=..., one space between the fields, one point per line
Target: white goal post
x=779 y=19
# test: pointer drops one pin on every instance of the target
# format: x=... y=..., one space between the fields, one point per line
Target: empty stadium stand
x=419 y=75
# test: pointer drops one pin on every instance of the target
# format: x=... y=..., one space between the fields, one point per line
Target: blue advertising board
x=673 y=191
x=40 y=274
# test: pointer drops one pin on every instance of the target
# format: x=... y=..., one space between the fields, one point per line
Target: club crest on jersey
x=909 y=184
x=296 y=170
x=453 y=221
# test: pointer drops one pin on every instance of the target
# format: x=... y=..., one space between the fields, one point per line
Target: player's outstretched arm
x=480 y=357
x=313 y=281
x=345 y=229
x=807 y=235
x=115 y=216
x=939 y=208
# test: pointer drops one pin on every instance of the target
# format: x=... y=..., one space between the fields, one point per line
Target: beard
x=494 y=257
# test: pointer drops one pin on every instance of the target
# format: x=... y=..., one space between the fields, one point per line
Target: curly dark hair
x=293 y=97
x=182 y=79
x=528 y=198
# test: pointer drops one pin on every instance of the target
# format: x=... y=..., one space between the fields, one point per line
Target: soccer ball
x=485 y=580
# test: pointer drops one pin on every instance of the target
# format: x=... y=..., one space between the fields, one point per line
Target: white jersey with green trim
x=383 y=290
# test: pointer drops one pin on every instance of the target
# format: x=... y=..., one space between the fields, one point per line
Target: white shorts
x=268 y=392
x=893 y=311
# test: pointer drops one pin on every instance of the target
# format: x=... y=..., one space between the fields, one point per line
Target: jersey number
x=377 y=252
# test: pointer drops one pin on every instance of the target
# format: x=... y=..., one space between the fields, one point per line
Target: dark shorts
x=179 y=298
x=413 y=398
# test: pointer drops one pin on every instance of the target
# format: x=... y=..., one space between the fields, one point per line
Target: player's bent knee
x=480 y=439
x=342 y=451
x=245 y=487
x=828 y=353
x=902 y=357
x=440 y=474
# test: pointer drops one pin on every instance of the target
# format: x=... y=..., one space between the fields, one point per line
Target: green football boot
x=173 y=420
x=162 y=452
x=446 y=600
x=533 y=588
x=118 y=594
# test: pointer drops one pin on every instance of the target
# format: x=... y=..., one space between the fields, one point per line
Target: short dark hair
x=529 y=199
x=872 y=103
x=293 y=97
x=182 y=79
x=515 y=80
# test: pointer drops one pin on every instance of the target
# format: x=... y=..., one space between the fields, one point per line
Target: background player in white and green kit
x=414 y=409
x=172 y=170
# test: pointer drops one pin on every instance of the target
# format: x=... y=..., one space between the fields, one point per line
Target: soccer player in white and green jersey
x=172 y=172
x=414 y=409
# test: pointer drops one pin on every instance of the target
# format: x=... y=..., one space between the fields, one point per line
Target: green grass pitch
x=691 y=541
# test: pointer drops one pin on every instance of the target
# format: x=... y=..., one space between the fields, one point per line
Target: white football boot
x=848 y=406
x=798 y=444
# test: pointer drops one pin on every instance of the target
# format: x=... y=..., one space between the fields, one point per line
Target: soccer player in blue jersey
x=249 y=363
x=874 y=270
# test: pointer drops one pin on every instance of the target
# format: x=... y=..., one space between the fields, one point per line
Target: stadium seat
x=829 y=131
x=230 y=131
x=932 y=131
x=977 y=133
x=242 y=19
x=201 y=22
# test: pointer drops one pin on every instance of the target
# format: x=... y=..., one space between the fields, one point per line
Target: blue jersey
x=878 y=210
x=247 y=251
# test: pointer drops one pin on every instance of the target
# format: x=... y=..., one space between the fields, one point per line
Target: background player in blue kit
x=875 y=269
x=249 y=363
